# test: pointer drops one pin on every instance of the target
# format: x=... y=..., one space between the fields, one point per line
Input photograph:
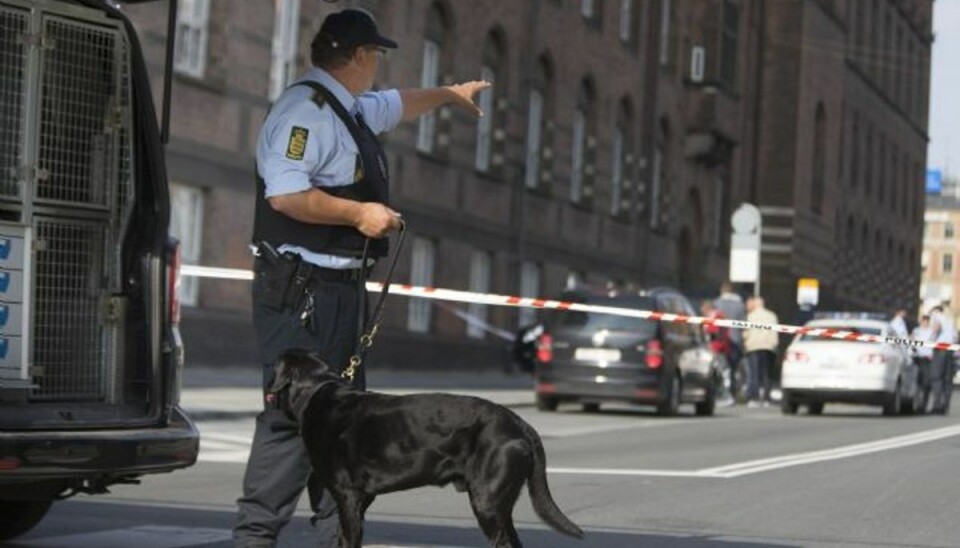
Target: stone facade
x=711 y=103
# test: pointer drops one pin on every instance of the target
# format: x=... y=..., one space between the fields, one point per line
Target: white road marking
x=775 y=463
x=147 y=536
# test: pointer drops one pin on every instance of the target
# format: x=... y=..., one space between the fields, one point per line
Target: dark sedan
x=591 y=358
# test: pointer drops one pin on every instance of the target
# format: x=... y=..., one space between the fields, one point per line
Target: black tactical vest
x=370 y=185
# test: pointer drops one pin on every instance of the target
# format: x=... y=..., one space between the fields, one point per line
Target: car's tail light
x=654 y=354
x=872 y=358
x=545 y=348
x=173 y=284
x=795 y=356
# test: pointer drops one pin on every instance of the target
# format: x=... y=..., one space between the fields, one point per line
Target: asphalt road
x=746 y=478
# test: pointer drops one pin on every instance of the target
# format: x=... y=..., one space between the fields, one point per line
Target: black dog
x=362 y=444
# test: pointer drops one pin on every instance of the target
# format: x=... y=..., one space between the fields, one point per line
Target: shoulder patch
x=298 y=142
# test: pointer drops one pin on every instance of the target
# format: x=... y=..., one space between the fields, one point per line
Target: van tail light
x=545 y=348
x=876 y=359
x=794 y=356
x=654 y=354
x=173 y=284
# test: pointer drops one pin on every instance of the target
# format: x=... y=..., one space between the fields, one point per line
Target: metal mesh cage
x=70 y=337
x=13 y=26
x=80 y=115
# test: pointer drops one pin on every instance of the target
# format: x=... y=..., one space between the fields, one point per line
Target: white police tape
x=441 y=294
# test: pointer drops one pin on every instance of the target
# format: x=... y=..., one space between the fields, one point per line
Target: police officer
x=321 y=196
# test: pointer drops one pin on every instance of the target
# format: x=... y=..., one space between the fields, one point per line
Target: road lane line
x=775 y=463
x=147 y=536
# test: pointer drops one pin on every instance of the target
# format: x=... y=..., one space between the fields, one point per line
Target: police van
x=90 y=353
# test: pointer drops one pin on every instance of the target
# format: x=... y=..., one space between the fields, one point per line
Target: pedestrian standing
x=719 y=339
x=941 y=365
x=922 y=356
x=899 y=324
x=322 y=205
x=732 y=307
x=761 y=348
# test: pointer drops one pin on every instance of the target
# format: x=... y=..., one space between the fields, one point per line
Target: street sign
x=745 y=244
x=808 y=291
x=934 y=181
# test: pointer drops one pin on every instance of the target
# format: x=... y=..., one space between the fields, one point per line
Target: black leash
x=365 y=340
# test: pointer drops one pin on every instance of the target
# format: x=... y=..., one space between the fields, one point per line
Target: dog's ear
x=281 y=375
x=319 y=366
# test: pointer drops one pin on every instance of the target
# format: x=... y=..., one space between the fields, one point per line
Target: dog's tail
x=543 y=502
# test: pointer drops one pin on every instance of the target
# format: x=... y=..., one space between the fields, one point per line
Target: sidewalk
x=211 y=393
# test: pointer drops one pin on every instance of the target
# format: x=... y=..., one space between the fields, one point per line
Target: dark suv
x=90 y=354
x=590 y=357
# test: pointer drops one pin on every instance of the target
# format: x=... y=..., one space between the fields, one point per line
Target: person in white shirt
x=941 y=366
x=923 y=355
x=899 y=324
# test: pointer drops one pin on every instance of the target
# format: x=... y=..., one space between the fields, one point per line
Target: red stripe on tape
x=564 y=306
x=538 y=303
x=513 y=300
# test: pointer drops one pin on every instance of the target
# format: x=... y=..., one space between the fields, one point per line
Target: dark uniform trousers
x=278 y=467
x=941 y=381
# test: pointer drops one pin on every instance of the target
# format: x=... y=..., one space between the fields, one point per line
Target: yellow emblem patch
x=298 y=143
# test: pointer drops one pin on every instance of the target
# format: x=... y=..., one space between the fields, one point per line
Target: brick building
x=618 y=137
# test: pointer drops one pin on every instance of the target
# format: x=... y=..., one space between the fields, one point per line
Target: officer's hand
x=376 y=220
x=463 y=95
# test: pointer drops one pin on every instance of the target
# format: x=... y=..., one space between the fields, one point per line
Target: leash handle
x=365 y=339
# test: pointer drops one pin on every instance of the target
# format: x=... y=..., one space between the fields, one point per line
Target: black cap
x=349 y=29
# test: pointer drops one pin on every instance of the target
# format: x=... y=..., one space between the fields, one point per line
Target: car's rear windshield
x=861 y=330
x=592 y=321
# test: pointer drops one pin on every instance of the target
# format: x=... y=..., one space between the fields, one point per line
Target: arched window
x=855 y=152
x=660 y=176
x=435 y=41
x=539 y=154
x=583 y=145
x=819 y=161
x=868 y=171
x=490 y=135
x=621 y=159
x=882 y=175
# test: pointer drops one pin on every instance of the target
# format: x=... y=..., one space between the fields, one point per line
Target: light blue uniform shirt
x=329 y=156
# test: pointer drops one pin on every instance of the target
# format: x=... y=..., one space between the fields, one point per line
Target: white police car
x=819 y=370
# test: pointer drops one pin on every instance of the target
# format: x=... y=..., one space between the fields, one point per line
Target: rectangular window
x=191 y=40
x=479 y=283
x=534 y=139
x=948 y=263
x=655 y=191
x=186 y=225
x=529 y=287
x=626 y=20
x=587 y=8
x=728 y=44
x=576 y=156
x=286 y=26
x=616 y=172
x=664 y=32
x=421 y=274
x=485 y=123
x=948 y=231
x=429 y=78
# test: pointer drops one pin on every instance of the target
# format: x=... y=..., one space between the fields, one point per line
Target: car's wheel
x=671 y=405
x=19 y=516
x=546 y=403
x=788 y=406
x=707 y=407
x=815 y=408
x=591 y=407
x=893 y=402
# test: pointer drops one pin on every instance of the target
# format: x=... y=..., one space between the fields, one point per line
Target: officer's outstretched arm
x=419 y=101
x=315 y=206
